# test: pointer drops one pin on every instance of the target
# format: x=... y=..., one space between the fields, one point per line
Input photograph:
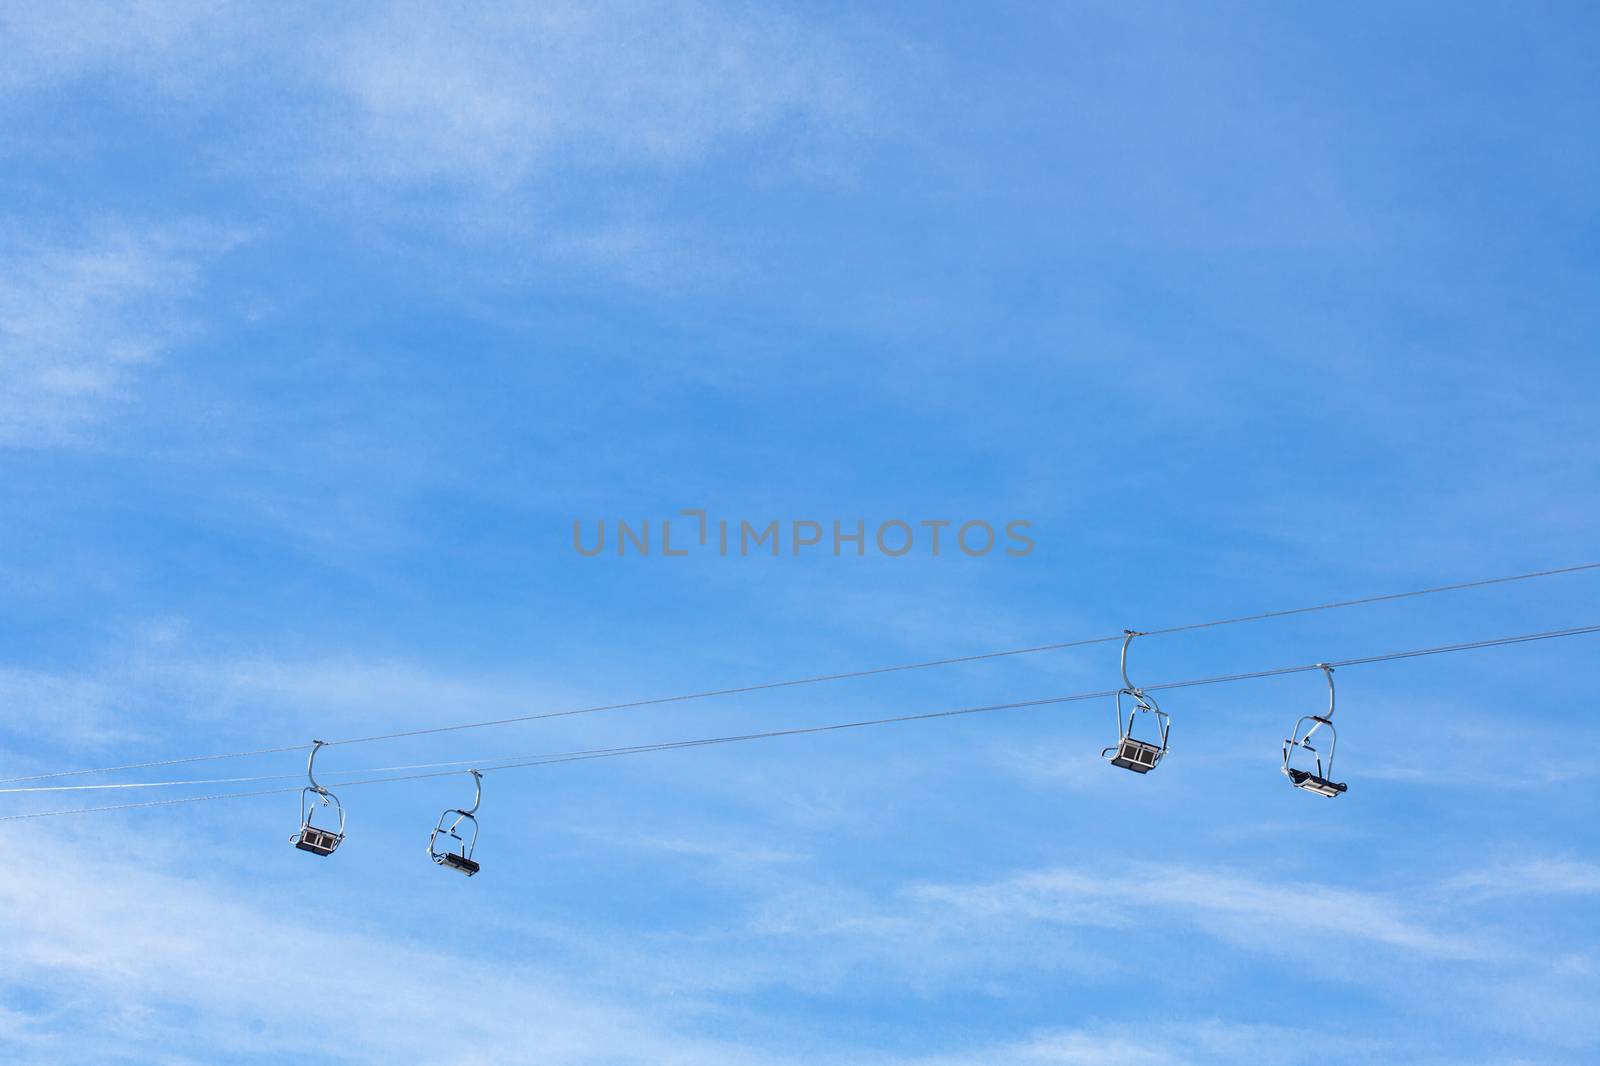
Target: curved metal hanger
x=477 y=783
x=460 y=859
x=1127 y=639
x=1146 y=701
x=311 y=765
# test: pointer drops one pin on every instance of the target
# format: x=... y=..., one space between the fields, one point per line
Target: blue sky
x=318 y=330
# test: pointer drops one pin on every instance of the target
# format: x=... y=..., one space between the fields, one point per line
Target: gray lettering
x=1026 y=541
x=600 y=540
x=860 y=538
x=909 y=535
x=641 y=542
x=961 y=537
x=799 y=542
x=746 y=529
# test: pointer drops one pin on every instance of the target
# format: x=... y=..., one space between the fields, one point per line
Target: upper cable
x=813 y=680
x=520 y=762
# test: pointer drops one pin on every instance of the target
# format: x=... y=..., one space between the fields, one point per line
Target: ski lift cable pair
x=794 y=682
x=1129 y=689
x=521 y=762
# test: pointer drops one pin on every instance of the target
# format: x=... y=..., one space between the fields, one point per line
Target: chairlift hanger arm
x=1127 y=639
x=311 y=764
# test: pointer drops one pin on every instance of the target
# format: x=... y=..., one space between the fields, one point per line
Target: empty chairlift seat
x=316 y=839
x=459 y=862
x=1140 y=756
x=1318 y=778
x=1130 y=752
x=1312 y=783
x=450 y=827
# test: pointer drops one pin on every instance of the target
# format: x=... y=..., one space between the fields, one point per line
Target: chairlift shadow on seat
x=313 y=838
x=461 y=858
x=1319 y=781
x=1130 y=752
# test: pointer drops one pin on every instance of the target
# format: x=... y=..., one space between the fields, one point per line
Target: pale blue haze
x=320 y=326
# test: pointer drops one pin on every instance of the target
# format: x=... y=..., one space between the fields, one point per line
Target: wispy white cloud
x=77 y=711
x=166 y=965
x=493 y=96
x=1534 y=877
x=710 y=846
x=1238 y=908
x=1185 y=1042
x=551 y=137
x=546 y=135
x=1054 y=765
x=80 y=319
x=1100 y=928
x=482 y=97
x=1097 y=928
x=97 y=933
x=156 y=683
x=172 y=45
x=1480 y=749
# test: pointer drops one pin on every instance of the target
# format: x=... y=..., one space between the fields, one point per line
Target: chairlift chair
x=461 y=858
x=1130 y=752
x=1321 y=781
x=316 y=839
